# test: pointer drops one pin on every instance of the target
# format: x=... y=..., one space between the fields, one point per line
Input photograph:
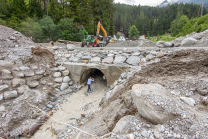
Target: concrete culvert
x=94 y=73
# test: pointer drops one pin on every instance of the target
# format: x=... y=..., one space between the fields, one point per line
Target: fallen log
x=35 y=127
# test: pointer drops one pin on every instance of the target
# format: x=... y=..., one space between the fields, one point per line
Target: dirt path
x=71 y=110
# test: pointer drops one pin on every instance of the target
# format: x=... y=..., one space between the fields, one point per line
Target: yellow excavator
x=100 y=40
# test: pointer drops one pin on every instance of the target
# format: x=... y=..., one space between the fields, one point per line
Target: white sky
x=142 y=2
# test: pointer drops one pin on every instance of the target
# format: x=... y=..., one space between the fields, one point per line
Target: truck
x=89 y=40
x=102 y=41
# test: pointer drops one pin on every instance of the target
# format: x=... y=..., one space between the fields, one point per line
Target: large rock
x=163 y=44
x=74 y=59
x=188 y=41
x=133 y=60
x=189 y=101
x=65 y=73
x=123 y=125
x=29 y=74
x=1 y=97
x=61 y=68
x=119 y=59
x=22 y=89
x=23 y=68
x=86 y=57
x=95 y=60
x=33 y=84
x=40 y=72
x=18 y=82
x=151 y=101
x=66 y=79
x=6 y=76
x=57 y=74
x=18 y=74
x=70 y=47
x=149 y=57
x=64 y=86
x=3 y=87
x=58 y=80
x=108 y=60
x=4 y=71
x=10 y=94
x=2 y=108
x=4 y=63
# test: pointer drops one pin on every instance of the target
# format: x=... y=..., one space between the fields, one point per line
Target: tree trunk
x=9 y=4
x=47 y=6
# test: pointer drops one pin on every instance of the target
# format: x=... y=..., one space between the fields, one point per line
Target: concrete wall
x=80 y=72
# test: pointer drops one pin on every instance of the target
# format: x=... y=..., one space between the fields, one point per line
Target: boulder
x=67 y=55
x=40 y=72
x=149 y=57
x=4 y=63
x=123 y=125
x=136 y=54
x=2 y=108
x=74 y=59
x=133 y=60
x=124 y=75
x=61 y=68
x=6 y=76
x=58 y=80
x=108 y=60
x=18 y=82
x=1 y=97
x=70 y=47
x=163 y=44
x=152 y=102
x=22 y=89
x=188 y=41
x=4 y=71
x=160 y=55
x=29 y=74
x=143 y=60
x=57 y=74
x=64 y=86
x=119 y=59
x=23 y=68
x=33 y=84
x=10 y=94
x=109 y=55
x=95 y=60
x=65 y=73
x=86 y=57
x=18 y=74
x=66 y=79
x=34 y=67
x=189 y=101
x=102 y=56
x=3 y=87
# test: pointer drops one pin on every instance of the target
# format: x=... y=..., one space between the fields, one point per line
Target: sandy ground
x=71 y=110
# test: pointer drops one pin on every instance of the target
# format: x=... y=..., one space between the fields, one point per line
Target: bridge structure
x=80 y=72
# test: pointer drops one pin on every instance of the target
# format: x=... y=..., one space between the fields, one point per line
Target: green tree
x=67 y=30
x=48 y=27
x=118 y=35
x=133 y=32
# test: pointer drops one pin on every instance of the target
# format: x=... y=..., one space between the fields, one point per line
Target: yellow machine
x=100 y=40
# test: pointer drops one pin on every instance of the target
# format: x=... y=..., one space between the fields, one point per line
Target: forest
x=51 y=20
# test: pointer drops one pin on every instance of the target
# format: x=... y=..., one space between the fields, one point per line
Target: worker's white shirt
x=89 y=81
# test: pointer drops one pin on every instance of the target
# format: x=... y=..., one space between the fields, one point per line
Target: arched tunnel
x=94 y=73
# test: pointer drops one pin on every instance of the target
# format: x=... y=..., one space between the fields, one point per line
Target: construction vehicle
x=102 y=41
x=89 y=40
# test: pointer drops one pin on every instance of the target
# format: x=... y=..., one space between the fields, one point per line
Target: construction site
x=141 y=89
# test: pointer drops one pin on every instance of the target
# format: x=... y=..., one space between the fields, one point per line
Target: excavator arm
x=100 y=26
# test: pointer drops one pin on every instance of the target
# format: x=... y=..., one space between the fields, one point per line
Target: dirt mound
x=42 y=55
x=12 y=38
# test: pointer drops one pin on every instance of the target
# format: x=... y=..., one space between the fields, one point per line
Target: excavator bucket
x=80 y=27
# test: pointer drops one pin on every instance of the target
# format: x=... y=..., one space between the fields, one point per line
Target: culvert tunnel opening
x=96 y=74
